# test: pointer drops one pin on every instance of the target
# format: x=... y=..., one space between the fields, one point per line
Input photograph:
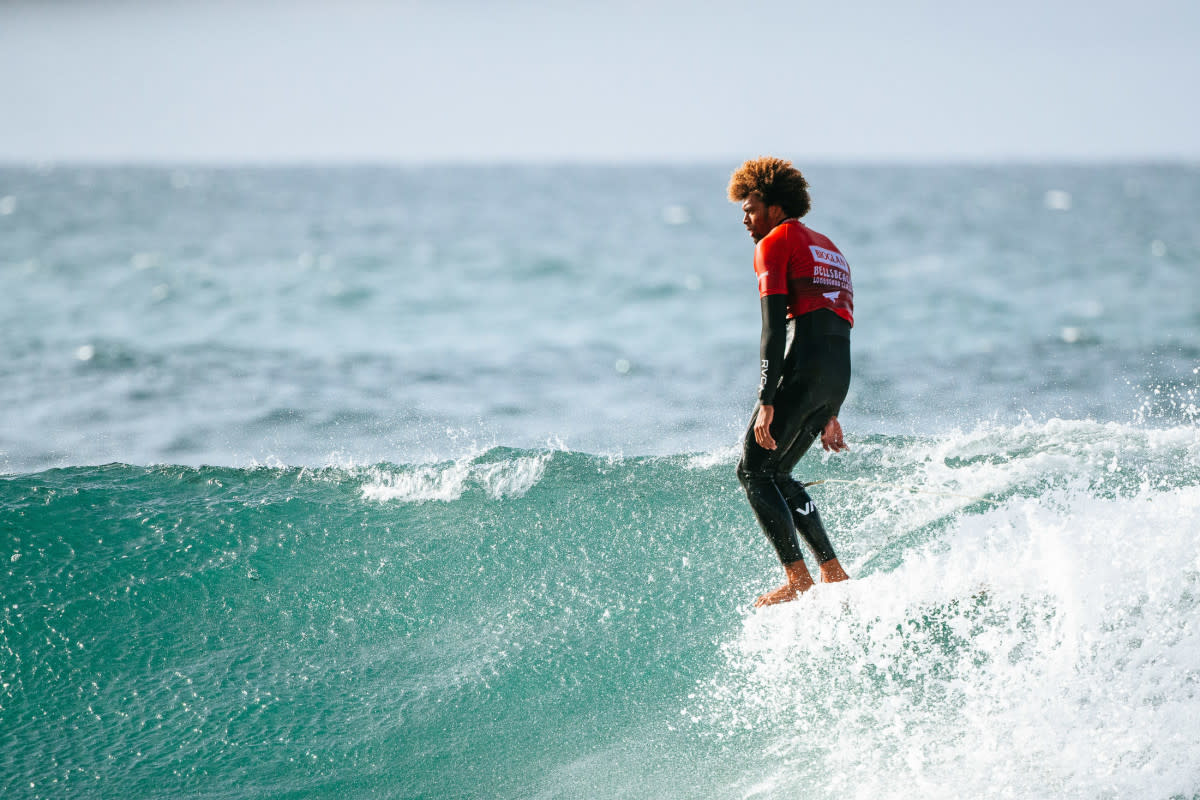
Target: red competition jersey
x=797 y=261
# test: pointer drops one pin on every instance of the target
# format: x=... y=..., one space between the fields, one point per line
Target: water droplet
x=141 y=261
x=1057 y=200
x=676 y=215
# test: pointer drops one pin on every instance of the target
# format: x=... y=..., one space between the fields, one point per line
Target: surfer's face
x=759 y=218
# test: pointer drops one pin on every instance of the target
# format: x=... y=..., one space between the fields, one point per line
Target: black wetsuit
x=806 y=382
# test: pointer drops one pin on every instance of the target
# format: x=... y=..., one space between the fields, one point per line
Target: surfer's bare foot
x=783 y=594
x=832 y=572
x=799 y=581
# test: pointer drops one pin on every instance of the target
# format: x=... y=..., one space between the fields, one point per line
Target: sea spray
x=1046 y=648
x=537 y=623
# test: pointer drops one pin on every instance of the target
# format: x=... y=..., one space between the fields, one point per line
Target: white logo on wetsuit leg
x=806 y=510
x=762 y=378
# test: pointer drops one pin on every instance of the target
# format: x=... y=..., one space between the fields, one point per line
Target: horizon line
x=585 y=161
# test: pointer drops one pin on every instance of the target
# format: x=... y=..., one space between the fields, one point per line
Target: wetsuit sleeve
x=770 y=263
x=771 y=347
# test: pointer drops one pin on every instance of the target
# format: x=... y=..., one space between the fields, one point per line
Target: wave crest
x=511 y=477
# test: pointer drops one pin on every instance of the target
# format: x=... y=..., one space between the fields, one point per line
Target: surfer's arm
x=770 y=355
x=771 y=346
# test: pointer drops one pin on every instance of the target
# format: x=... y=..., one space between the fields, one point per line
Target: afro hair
x=776 y=181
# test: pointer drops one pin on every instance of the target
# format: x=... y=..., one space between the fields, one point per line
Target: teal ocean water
x=418 y=483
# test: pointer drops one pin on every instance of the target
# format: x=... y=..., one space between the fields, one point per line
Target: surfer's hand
x=831 y=437
x=762 y=427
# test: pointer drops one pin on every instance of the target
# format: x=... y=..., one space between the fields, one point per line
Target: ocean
x=418 y=482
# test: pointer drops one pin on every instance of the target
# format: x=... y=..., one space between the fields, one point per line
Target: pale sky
x=619 y=80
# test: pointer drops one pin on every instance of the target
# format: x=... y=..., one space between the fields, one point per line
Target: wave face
x=542 y=624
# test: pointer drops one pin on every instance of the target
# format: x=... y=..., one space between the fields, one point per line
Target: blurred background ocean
x=312 y=316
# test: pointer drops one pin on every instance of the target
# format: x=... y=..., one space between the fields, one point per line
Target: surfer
x=807 y=312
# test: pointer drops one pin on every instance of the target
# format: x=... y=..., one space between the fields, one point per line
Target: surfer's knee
x=751 y=477
x=792 y=489
x=743 y=476
x=786 y=482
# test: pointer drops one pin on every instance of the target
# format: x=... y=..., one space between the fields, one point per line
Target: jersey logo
x=831 y=257
x=830 y=269
x=832 y=295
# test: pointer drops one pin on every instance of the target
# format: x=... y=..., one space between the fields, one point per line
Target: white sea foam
x=417 y=484
x=1047 y=647
x=931 y=479
x=721 y=455
x=447 y=482
x=512 y=478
